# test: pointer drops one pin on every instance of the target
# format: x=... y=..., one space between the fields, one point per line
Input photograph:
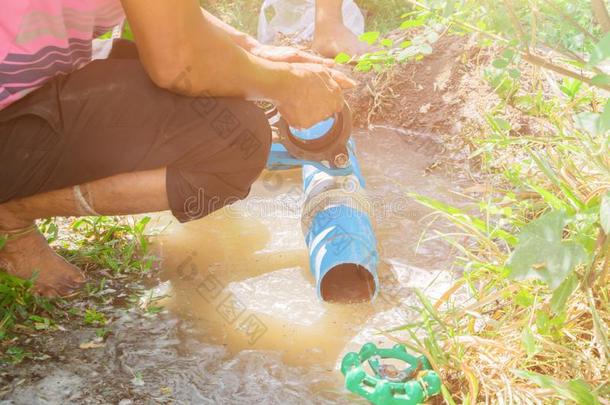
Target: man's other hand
x=289 y=54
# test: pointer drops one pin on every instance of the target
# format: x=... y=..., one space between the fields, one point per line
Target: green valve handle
x=390 y=386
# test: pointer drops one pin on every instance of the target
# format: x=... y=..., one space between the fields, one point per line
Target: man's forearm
x=184 y=51
x=237 y=73
x=243 y=40
x=200 y=55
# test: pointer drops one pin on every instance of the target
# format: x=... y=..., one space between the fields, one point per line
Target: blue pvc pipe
x=340 y=231
x=335 y=220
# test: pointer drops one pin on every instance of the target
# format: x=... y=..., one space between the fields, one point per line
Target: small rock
x=92 y=345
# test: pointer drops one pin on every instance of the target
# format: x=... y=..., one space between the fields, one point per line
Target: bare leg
x=130 y=193
x=331 y=36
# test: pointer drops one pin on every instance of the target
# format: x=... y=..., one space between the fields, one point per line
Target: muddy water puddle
x=242 y=323
x=241 y=275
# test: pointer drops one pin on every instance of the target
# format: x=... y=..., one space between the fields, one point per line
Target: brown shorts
x=109 y=118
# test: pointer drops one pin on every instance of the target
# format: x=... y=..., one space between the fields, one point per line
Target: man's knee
x=252 y=143
x=240 y=126
x=208 y=183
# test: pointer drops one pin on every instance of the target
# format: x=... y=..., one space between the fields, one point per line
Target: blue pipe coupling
x=336 y=223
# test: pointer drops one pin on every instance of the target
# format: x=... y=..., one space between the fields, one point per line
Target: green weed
x=107 y=242
x=535 y=248
x=18 y=304
x=15 y=355
x=94 y=318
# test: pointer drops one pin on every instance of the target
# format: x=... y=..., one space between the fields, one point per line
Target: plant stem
x=600 y=13
x=571 y=20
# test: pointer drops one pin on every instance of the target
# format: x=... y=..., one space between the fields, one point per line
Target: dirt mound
x=433 y=95
x=445 y=98
x=442 y=97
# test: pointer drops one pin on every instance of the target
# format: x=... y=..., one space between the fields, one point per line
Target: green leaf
x=425 y=49
x=548 y=170
x=405 y=44
x=498 y=124
x=500 y=63
x=508 y=54
x=369 y=37
x=601 y=51
x=574 y=390
x=364 y=66
x=427 y=305
x=432 y=37
x=570 y=87
x=16 y=354
x=528 y=341
x=604 y=213
x=412 y=23
x=447 y=395
x=562 y=293
x=542 y=254
x=387 y=42
x=601 y=80
x=418 y=40
x=2 y=241
x=514 y=73
x=551 y=199
x=524 y=298
x=486 y=42
x=407 y=53
x=343 y=58
x=582 y=393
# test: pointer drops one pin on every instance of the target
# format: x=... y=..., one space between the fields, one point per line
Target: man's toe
x=46 y=291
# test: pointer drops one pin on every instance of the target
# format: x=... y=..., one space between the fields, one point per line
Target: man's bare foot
x=28 y=253
x=329 y=42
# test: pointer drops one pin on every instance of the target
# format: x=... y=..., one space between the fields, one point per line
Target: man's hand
x=314 y=93
x=288 y=54
x=193 y=55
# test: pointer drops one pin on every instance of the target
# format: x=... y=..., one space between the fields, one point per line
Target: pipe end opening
x=348 y=283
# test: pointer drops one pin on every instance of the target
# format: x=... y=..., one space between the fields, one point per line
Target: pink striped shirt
x=40 y=39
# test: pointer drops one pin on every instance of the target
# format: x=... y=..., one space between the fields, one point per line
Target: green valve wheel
x=388 y=385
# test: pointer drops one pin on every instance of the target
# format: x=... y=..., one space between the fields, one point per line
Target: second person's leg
x=331 y=35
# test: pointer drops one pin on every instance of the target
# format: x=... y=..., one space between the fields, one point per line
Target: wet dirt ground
x=241 y=322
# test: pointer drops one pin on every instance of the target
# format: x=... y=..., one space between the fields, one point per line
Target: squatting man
x=147 y=127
